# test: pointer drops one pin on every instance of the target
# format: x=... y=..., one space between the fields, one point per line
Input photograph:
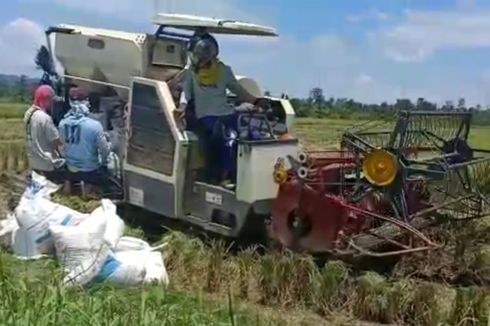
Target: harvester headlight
x=380 y=167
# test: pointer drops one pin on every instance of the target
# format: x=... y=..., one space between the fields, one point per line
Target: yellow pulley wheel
x=280 y=176
x=380 y=167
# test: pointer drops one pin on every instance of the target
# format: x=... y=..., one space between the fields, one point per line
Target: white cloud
x=372 y=15
x=364 y=80
x=141 y=10
x=19 y=41
x=424 y=33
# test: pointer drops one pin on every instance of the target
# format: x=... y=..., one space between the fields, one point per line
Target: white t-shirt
x=41 y=133
x=210 y=100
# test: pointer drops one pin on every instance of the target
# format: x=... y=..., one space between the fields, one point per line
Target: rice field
x=318 y=133
x=12 y=110
x=212 y=286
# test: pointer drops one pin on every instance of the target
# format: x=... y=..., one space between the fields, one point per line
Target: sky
x=368 y=50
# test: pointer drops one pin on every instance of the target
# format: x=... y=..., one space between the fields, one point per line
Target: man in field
x=42 y=137
x=86 y=146
x=204 y=83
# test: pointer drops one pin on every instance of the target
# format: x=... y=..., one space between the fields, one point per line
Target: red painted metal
x=319 y=201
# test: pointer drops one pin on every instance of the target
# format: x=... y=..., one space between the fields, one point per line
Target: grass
x=31 y=295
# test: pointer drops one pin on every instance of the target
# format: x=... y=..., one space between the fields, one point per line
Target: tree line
x=316 y=105
x=17 y=88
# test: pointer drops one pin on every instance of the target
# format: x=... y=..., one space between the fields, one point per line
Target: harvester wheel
x=299 y=225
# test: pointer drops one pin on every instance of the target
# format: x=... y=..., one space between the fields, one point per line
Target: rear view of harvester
x=387 y=183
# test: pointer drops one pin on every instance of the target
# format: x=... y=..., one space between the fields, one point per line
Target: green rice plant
x=76 y=202
x=215 y=274
x=472 y=306
x=23 y=160
x=4 y=156
x=268 y=279
x=480 y=265
x=331 y=287
x=286 y=278
x=401 y=296
x=14 y=152
x=246 y=262
x=371 y=300
x=483 y=309
x=187 y=260
x=434 y=304
x=10 y=158
x=135 y=232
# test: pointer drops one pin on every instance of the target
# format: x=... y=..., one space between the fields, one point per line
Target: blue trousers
x=218 y=135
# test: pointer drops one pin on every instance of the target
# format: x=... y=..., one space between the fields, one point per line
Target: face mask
x=210 y=75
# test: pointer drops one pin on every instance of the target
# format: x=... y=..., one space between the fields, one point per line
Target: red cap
x=43 y=97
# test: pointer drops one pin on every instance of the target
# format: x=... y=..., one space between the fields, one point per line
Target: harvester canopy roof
x=212 y=25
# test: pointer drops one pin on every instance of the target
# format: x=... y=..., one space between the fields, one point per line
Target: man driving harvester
x=204 y=84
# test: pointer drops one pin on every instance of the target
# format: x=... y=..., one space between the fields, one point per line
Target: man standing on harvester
x=204 y=84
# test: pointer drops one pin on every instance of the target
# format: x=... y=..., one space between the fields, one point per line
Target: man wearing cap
x=204 y=83
x=86 y=146
x=42 y=138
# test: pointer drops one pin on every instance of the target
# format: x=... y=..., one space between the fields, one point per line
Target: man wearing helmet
x=205 y=83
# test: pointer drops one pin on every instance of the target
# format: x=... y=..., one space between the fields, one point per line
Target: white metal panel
x=169 y=52
x=255 y=170
x=178 y=176
x=90 y=31
x=250 y=85
x=120 y=58
x=213 y=25
x=290 y=116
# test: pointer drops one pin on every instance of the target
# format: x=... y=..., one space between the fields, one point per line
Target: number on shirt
x=72 y=134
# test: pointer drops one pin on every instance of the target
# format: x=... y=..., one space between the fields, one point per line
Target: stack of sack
x=90 y=247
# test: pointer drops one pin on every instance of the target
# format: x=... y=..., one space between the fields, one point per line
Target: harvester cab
x=159 y=159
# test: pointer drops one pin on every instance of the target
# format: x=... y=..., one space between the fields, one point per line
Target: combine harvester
x=386 y=184
x=383 y=187
x=159 y=159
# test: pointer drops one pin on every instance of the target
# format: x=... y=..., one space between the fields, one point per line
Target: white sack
x=81 y=250
x=114 y=224
x=131 y=244
x=124 y=268
x=34 y=213
x=34 y=217
x=133 y=267
x=39 y=186
x=156 y=273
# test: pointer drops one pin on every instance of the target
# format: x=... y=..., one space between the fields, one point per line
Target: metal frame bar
x=97 y=82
